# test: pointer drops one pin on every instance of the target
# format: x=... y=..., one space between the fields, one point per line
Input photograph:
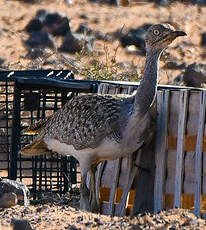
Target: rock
x=1 y=61
x=123 y=2
x=175 y=65
x=177 y=80
x=20 y=224
x=8 y=200
x=53 y=23
x=41 y=14
x=39 y=39
x=34 y=25
x=11 y=187
x=203 y=39
x=56 y=24
x=31 y=1
x=83 y=15
x=135 y=37
x=84 y=29
x=75 y=43
x=110 y=2
x=164 y=2
x=35 y=53
x=195 y=75
x=200 y=2
x=69 y=2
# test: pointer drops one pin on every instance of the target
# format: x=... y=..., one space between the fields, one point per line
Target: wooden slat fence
x=161 y=149
x=198 y=155
x=171 y=172
x=183 y=105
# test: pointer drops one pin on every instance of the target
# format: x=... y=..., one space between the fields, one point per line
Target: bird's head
x=159 y=36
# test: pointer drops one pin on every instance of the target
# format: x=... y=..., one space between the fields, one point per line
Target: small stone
x=195 y=75
x=39 y=39
x=135 y=37
x=20 y=224
x=203 y=39
x=8 y=200
x=175 y=65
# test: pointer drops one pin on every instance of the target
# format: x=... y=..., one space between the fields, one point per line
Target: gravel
x=55 y=217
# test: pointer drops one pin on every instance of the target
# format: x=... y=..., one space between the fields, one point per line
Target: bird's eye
x=156 y=32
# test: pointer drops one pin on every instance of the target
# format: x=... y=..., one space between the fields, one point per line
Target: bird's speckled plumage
x=96 y=127
x=86 y=120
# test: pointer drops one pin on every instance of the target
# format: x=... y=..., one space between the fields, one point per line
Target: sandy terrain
x=14 y=16
x=56 y=217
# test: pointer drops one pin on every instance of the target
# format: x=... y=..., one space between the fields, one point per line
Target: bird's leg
x=84 y=192
x=94 y=203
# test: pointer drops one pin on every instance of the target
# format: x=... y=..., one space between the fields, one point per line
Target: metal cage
x=27 y=96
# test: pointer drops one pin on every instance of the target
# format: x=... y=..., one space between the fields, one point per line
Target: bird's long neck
x=146 y=91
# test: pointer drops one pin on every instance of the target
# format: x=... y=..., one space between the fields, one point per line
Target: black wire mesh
x=26 y=97
x=49 y=173
x=6 y=109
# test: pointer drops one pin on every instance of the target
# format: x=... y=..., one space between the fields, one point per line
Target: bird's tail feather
x=35 y=148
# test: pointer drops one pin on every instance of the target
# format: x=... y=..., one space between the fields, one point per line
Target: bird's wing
x=34 y=128
x=85 y=120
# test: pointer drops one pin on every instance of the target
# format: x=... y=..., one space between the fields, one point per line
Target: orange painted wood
x=189 y=143
x=104 y=198
x=187 y=201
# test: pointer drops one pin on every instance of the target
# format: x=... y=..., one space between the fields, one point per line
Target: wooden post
x=130 y=181
x=114 y=187
x=198 y=155
x=183 y=104
x=160 y=149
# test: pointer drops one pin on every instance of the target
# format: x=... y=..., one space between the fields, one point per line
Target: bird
x=93 y=127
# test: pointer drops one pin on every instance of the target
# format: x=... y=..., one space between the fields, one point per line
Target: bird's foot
x=95 y=207
x=85 y=205
x=84 y=200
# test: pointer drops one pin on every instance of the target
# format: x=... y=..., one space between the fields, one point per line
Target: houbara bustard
x=93 y=128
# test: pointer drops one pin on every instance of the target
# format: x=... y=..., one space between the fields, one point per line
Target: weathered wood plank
x=131 y=173
x=121 y=209
x=130 y=90
x=172 y=130
x=114 y=186
x=98 y=179
x=102 y=89
x=198 y=155
x=160 y=149
x=189 y=155
x=183 y=105
x=117 y=163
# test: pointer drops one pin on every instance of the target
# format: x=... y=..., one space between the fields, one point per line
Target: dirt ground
x=56 y=217
x=14 y=16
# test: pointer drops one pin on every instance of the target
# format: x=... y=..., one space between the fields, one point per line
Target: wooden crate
x=180 y=179
x=172 y=171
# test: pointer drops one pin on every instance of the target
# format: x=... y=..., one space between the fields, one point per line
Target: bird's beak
x=172 y=35
x=178 y=33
